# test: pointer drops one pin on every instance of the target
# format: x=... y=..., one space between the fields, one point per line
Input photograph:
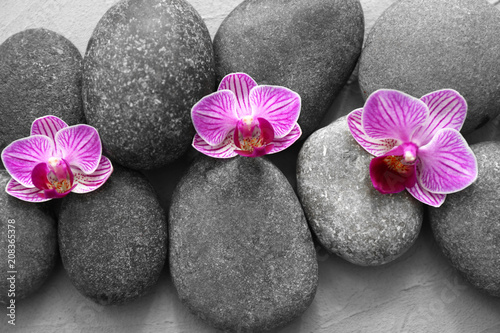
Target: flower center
x=253 y=137
x=54 y=177
x=397 y=164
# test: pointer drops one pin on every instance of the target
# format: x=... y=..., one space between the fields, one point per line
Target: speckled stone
x=34 y=236
x=467 y=225
x=241 y=255
x=113 y=240
x=40 y=74
x=418 y=46
x=347 y=214
x=147 y=63
x=310 y=47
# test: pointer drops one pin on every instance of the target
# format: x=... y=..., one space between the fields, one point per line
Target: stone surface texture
x=419 y=46
x=467 y=225
x=310 y=47
x=40 y=74
x=147 y=63
x=346 y=213
x=113 y=240
x=241 y=255
x=34 y=241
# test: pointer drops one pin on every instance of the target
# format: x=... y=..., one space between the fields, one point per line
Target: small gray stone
x=467 y=225
x=347 y=214
x=113 y=240
x=241 y=255
x=40 y=74
x=310 y=47
x=419 y=46
x=147 y=63
x=30 y=231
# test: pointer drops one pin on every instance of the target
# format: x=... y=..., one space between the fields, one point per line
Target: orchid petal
x=222 y=150
x=80 y=146
x=39 y=176
x=48 y=126
x=278 y=105
x=21 y=156
x=240 y=84
x=214 y=116
x=30 y=194
x=285 y=142
x=428 y=198
x=447 y=109
x=373 y=146
x=90 y=182
x=391 y=114
x=447 y=164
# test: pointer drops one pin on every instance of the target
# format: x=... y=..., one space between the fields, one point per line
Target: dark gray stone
x=347 y=214
x=241 y=255
x=40 y=74
x=419 y=46
x=467 y=225
x=113 y=240
x=310 y=47
x=33 y=237
x=147 y=63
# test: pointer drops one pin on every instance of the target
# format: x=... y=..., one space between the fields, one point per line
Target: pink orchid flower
x=416 y=142
x=243 y=118
x=55 y=160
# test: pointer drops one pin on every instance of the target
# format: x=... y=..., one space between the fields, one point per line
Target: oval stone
x=113 y=240
x=147 y=63
x=28 y=244
x=40 y=74
x=310 y=47
x=419 y=46
x=241 y=254
x=467 y=225
x=348 y=215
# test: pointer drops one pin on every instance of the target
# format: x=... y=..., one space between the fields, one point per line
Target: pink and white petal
x=48 y=126
x=447 y=164
x=287 y=141
x=240 y=84
x=373 y=146
x=30 y=194
x=391 y=114
x=89 y=182
x=426 y=197
x=447 y=109
x=80 y=146
x=223 y=150
x=278 y=105
x=214 y=116
x=21 y=156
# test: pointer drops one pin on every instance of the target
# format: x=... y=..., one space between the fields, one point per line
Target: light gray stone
x=347 y=214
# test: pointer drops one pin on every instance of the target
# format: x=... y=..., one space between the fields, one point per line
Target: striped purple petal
x=48 y=126
x=223 y=150
x=30 y=194
x=287 y=141
x=426 y=197
x=240 y=84
x=89 y=182
x=80 y=146
x=21 y=156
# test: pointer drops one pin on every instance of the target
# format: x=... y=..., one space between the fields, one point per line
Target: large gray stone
x=241 y=255
x=147 y=63
x=347 y=214
x=310 y=47
x=113 y=240
x=40 y=74
x=28 y=244
x=467 y=225
x=419 y=46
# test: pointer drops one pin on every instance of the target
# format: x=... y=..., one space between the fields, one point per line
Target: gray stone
x=241 y=255
x=310 y=47
x=40 y=74
x=113 y=240
x=419 y=46
x=348 y=215
x=30 y=231
x=147 y=63
x=467 y=225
